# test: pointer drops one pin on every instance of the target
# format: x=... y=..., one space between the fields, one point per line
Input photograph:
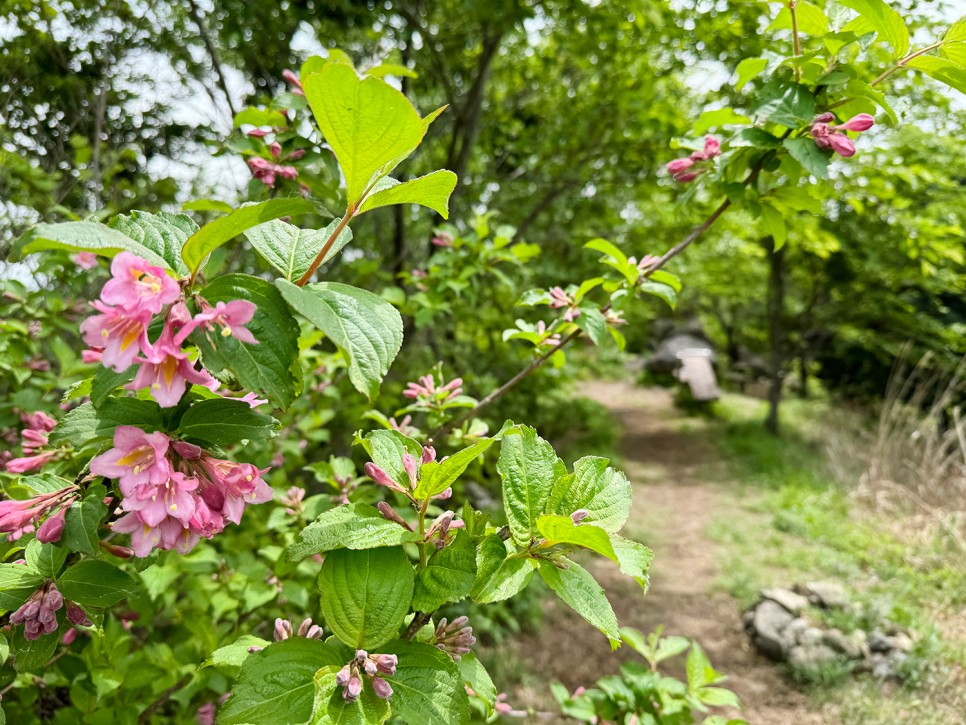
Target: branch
x=212 y=51
x=146 y=714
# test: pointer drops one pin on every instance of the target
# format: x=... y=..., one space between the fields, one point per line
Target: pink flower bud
x=187 y=450
x=345 y=674
x=275 y=148
x=429 y=454
x=121 y=552
x=353 y=689
x=380 y=476
x=51 y=529
x=390 y=514
x=861 y=122
x=447 y=493
x=283 y=629
x=826 y=117
x=711 y=147
x=257 y=133
x=296 y=155
x=678 y=165
x=91 y=356
x=77 y=615
x=69 y=636
x=578 y=515
x=841 y=144
x=409 y=463
x=382 y=688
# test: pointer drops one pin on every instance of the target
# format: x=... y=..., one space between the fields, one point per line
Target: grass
x=801 y=525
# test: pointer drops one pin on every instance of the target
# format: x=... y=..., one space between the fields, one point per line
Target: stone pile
x=779 y=627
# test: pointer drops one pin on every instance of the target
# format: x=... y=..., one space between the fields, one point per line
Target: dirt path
x=670 y=459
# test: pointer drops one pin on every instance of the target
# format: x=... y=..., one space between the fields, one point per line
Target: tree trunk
x=776 y=309
x=803 y=376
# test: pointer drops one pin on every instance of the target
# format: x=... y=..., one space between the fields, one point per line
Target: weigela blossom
x=231 y=317
x=559 y=298
x=265 y=171
x=425 y=391
x=119 y=333
x=136 y=284
x=455 y=638
x=376 y=667
x=21 y=517
x=137 y=459
x=690 y=168
x=832 y=137
x=38 y=614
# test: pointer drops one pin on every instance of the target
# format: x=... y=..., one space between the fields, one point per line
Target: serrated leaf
x=352 y=526
x=46 y=559
x=386 y=449
x=275 y=685
x=786 y=104
x=30 y=655
x=432 y=190
x=106 y=381
x=448 y=577
x=603 y=492
x=233 y=656
x=476 y=676
x=86 y=425
x=633 y=558
x=85 y=237
x=498 y=577
x=331 y=708
x=436 y=476
x=814 y=160
x=223 y=229
x=581 y=592
x=95 y=583
x=17 y=583
x=370 y=125
x=562 y=530
x=427 y=686
x=224 y=422
x=366 y=594
x=162 y=233
x=270 y=367
x=885 y=20
x=367 y=328
x=528 y=467
x=942 y=70
x=292 y=250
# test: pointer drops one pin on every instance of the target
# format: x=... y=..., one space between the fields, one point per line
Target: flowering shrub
x=150 y=454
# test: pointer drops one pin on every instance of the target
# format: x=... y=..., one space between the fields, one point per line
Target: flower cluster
x=118 y=336
x=834 y=137
x=38 y=614
x=33 y=438
x=549 y=339
x=559 y=298
x=426 y=393
x=690 y=168
x=174 y=492
x=377 y=667
x=454 y=638
x=284 y=630
x=21 y=517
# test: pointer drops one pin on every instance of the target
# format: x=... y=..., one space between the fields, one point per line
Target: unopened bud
x=77 y=616
x=579 y=515
x=51 y=529
x=409 y=463
x=382 y=688
x=283 y=629
x=390 y=514
x=380 y=476
x=429 y=454
x=121 y=552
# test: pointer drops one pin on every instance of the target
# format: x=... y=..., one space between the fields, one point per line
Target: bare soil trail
x=680 y=487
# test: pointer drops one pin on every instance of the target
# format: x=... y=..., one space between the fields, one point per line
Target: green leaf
x=811 y=19
x=436 y=476
x=352 y=526
x=748 y=69
x=367 y=329
x=562 y=530
x=208 y=205
x=223 y=422
x=370 y=125
x=498 y=577
x=699 y=670
x=232 y=656
x=85 y=237
x=758 y=138
x=476 y=676
x=31 y=655
x=814 y=160
x=787 y=104
x=223 y=229
x=106 y=381
x=386 y=449
x=603 y=492
x=272 y=366
x=95 y=583
x=720 y=117
x=366 y=594
x=4 y=649
x=46 y=559
x=449 y=577
x=275 y=685
x=331 y=708
x=774 y=224
x=593 y=323
x=292 y=250
x=885 y=20
x=432 y=190
x=954 y=43
x=85 y=425
x=578 y=589
x=942 y=70
x=162 y=233
x=528 y=467
x=17 y=583
x=633 y=558
x=658 y=289
x=260 y=117
x=427 y=687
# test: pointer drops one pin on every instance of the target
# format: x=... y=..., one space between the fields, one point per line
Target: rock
x=847 y=645
x=878 y=642
x=810 y=637
x=791 y=601
x=828 y=595
x=811 y=656
x=900 y=643
x=769 y=626
x=748 y=617
x=796 y=629
x=888 y=666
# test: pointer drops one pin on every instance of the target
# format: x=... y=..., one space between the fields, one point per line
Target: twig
x=146 y=714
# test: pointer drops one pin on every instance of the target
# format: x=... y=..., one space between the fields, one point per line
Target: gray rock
x=748 y=617
x=796 y=629
x=846 y=644
x=826 y=594
x=769 y=625
x=878 y=642
x=900 y=643
x=888 y=666
x=811 y=656
x=791 y=601
x=811 y=637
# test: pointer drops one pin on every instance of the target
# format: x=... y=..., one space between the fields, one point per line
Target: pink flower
x=205 y=715
x=137 y=459
x=257 y=133
x=690 y=168
x=231 y=317
x=33 y=439
x=172 y=499
x=834 y=137
x=559 y=298
x=85 y=260
x=91 y=356
x=265 y=171
x=30 y=463
x=275 y=149
x=137 y=284
x=679 y=165
x=238 y=484
x=859 y=123
x=39 y=421
x=443 y=240
x=51 y=530
x=296 y=155
x=293 y=80
x=841 y=144
x=122 y=334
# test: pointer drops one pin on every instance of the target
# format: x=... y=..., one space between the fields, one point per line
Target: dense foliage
x=199 y=492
